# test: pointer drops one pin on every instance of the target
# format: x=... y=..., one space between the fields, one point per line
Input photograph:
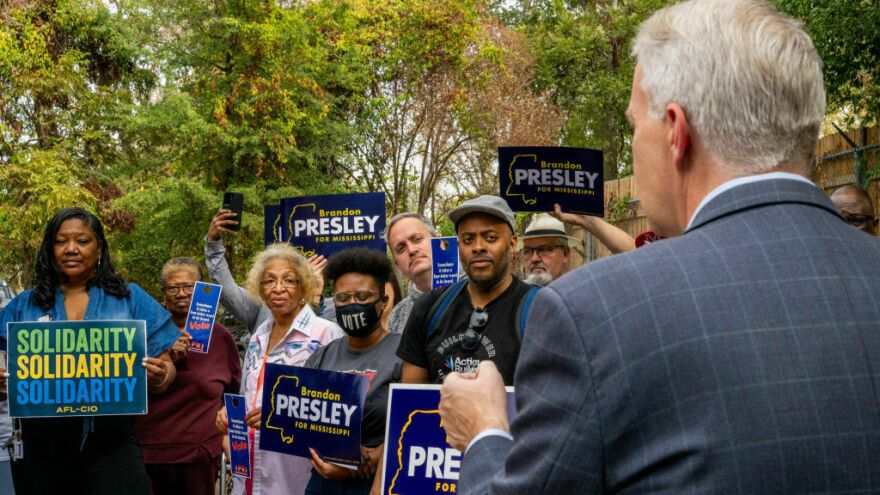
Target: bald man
x=856 y=208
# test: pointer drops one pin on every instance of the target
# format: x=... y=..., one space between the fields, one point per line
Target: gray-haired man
x=408 y=236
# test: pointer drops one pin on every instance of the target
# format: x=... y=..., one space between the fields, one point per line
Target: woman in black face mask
x=359 y=276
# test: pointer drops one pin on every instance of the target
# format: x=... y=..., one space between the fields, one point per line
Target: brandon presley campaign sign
x=272 y=230
x=330 y=223
x=533 y=178
x=304 y=407
x=417 y=458
x=77 y=368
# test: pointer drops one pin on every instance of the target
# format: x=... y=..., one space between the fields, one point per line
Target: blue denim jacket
x=161 y=331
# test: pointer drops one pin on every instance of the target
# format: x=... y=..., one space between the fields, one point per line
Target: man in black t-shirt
x=480 y=322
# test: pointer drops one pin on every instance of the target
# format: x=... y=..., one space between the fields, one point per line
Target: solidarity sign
x=533 y=178
x=418 y=460
x=330 y=223
x=304 y=407
x=77 y=368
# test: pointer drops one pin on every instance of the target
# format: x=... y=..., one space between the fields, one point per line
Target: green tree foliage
x=65 y=69
x=583 y=62
x=33 y=186
x=847 y=35
x=171 y=217
x=261 y=90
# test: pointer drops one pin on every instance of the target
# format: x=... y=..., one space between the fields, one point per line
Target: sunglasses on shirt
x=479 y=319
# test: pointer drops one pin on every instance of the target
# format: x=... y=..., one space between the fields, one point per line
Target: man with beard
x=544 y=249
x=455 y=328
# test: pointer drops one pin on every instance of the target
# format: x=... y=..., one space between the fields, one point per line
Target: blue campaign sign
x=77 y=368
x=239 y=442
x=272 y=224
x=330 y=223
x=202 y=311
x=304 y=407
x=444 y=261
x=533 y=178
x=417 y=458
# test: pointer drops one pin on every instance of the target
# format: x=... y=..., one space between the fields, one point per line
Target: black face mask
x=358 y=320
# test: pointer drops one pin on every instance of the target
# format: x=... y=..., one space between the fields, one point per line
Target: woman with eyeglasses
x=180 y=444
x=359 y=277
x=283 y=281
x=75 y=279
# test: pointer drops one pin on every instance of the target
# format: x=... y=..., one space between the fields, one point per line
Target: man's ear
x=679 y=134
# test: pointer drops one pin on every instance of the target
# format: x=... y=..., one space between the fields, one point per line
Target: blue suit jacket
x=740 y=357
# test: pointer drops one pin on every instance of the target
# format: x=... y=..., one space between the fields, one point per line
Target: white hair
x=748 y=78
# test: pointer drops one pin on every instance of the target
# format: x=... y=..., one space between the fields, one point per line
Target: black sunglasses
x=479 y=319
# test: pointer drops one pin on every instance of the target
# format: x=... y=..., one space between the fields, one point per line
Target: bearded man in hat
x=544 y=249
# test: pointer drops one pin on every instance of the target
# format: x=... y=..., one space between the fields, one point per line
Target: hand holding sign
x=180 y=347
x=252 y=418
x=330 y=471
x=160 y=373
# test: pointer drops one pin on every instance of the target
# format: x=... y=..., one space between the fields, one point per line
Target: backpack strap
x=441 y=304
x=522 y=310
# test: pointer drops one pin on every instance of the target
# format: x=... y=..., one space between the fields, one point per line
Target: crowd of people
x=739 y=353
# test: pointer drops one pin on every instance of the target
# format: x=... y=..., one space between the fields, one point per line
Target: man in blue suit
x=743 y=355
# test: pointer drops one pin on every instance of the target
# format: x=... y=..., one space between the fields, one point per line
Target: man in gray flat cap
x=477 y=319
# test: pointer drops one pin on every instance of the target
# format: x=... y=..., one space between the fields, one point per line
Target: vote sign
x=304 y=407
x=444 y=261
x=237 y=431
x=202 y=311
x=417 y=458
x=77 y=368
x=330 y=223
x=533 y=178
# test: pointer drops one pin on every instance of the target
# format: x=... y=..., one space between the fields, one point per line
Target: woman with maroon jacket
x=180 y=444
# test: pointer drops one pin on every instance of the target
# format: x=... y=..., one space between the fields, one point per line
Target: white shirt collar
x=302 y=323
x=739 y=181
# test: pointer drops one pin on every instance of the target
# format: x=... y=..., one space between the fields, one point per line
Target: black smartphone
x=234 y=202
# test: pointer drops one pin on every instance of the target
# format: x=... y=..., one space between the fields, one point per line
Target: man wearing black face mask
x=359 y=276
x=454 y=329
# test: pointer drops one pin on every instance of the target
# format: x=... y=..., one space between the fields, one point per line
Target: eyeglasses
x=173 y=290
x=543 y=251
x=361 y=296
x=286 y=283
x=858 y=220
x=479 y=319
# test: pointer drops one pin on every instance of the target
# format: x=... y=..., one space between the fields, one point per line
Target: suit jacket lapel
x=762 y=193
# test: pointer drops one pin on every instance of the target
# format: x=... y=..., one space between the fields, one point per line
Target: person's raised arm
x=235 y=298
x=614 y=238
